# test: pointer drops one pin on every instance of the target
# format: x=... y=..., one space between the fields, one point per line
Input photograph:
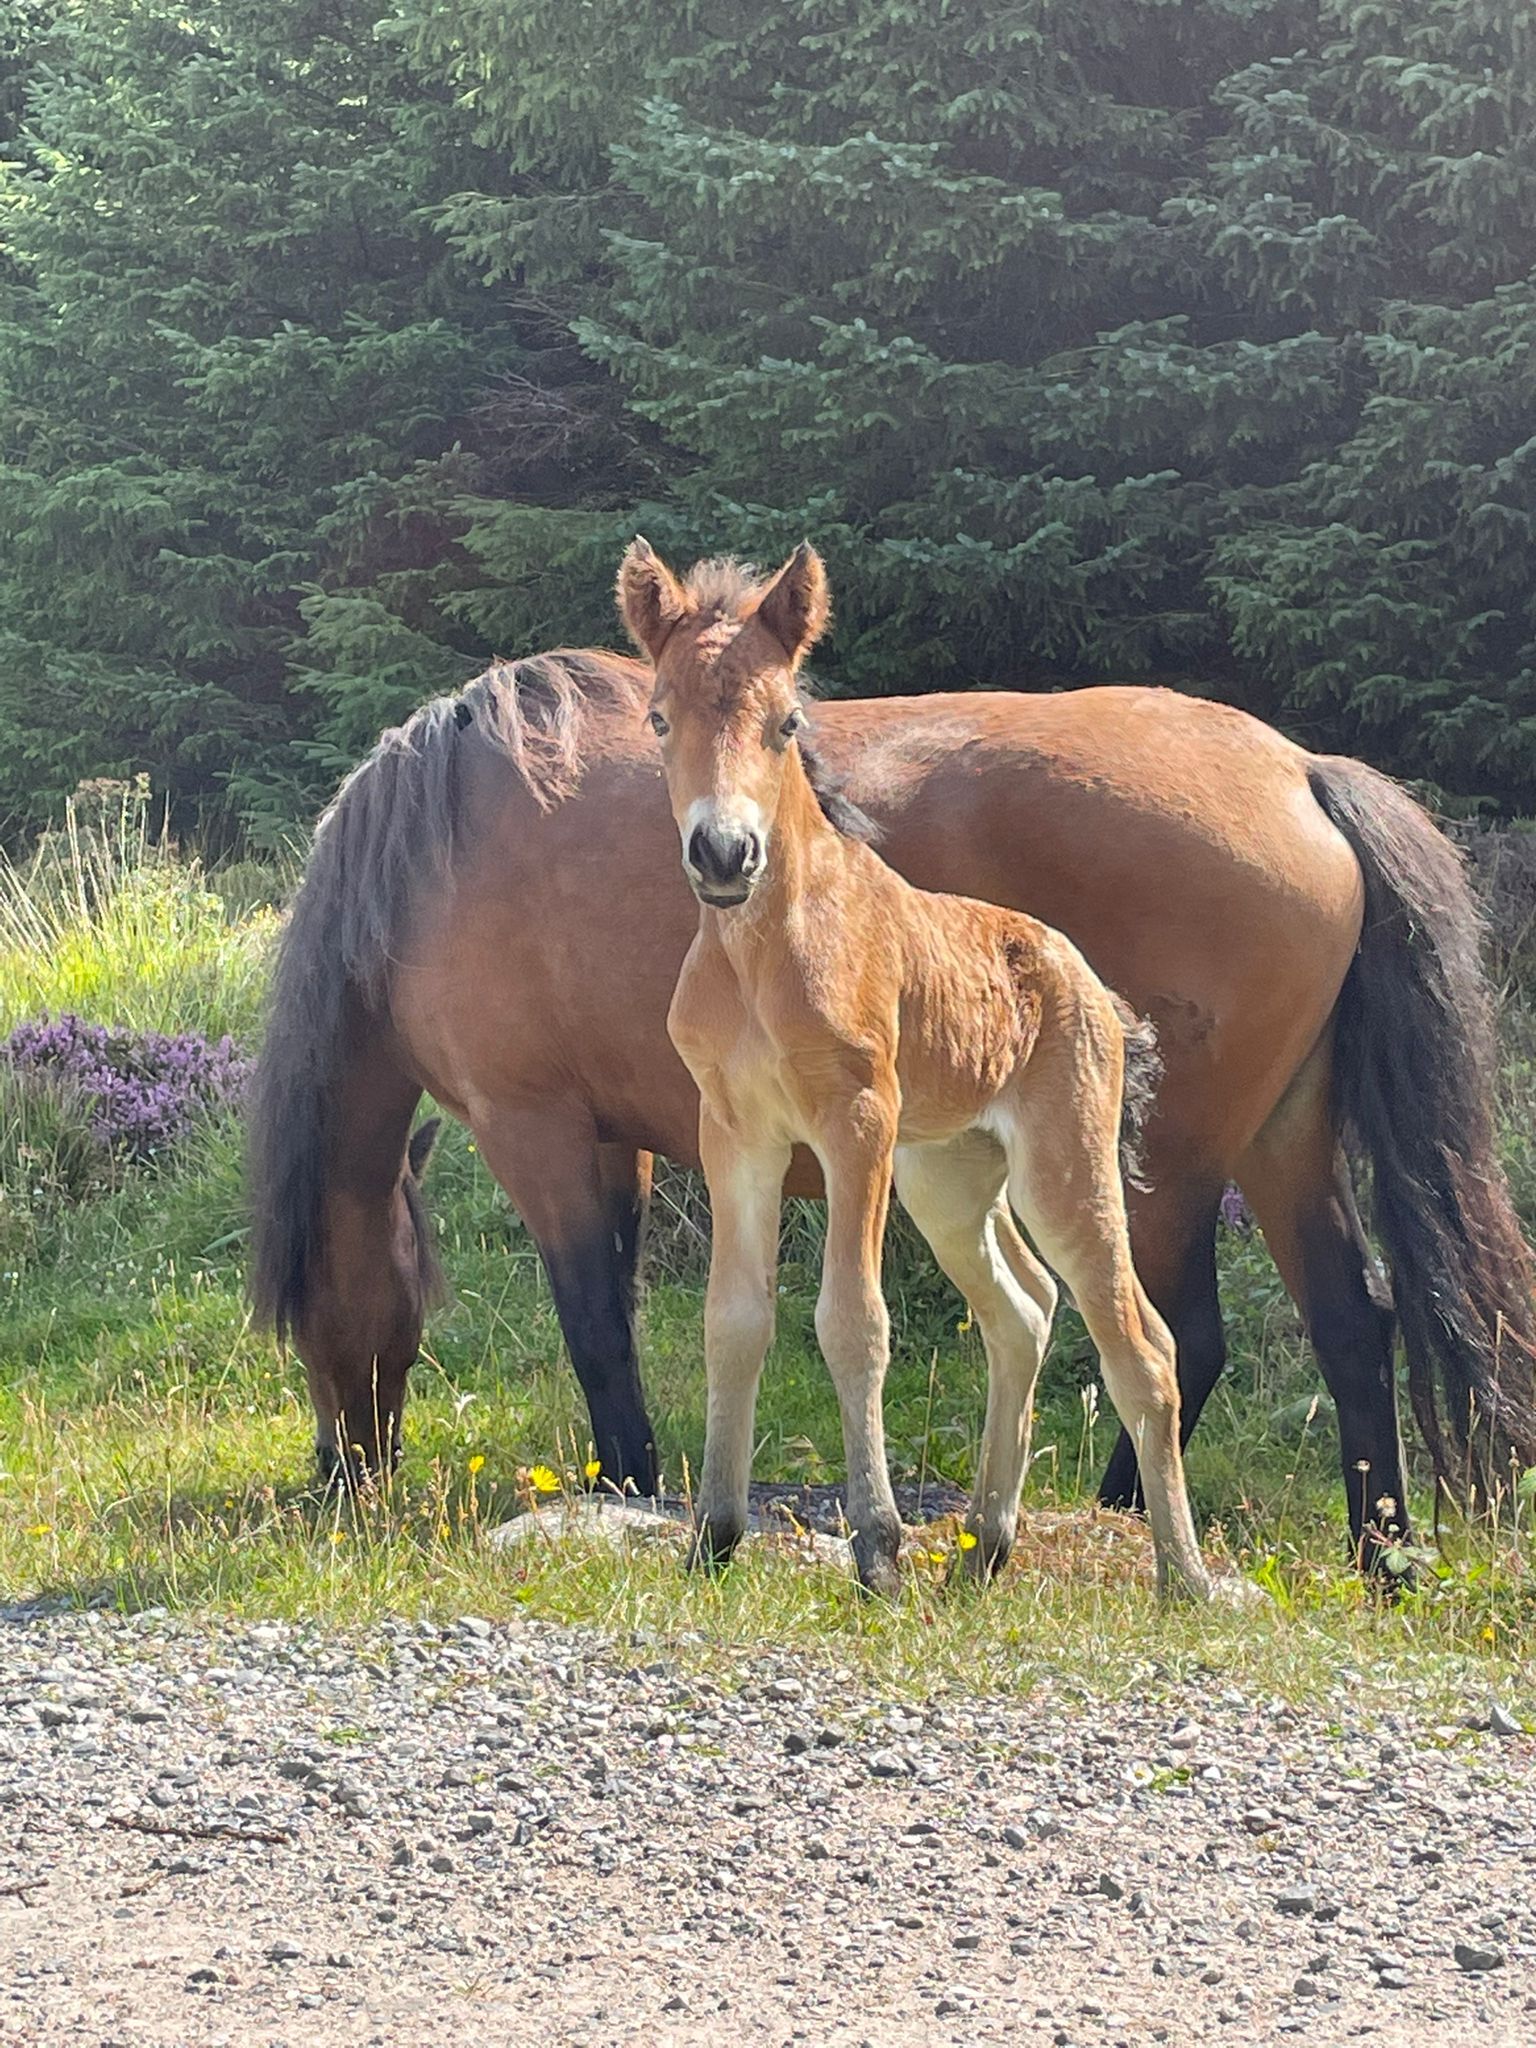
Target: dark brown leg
x=1173 y=1240
x=1298 y=1183
x=584 y=1205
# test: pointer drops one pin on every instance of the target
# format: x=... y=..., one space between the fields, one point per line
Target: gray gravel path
x=508 y=1834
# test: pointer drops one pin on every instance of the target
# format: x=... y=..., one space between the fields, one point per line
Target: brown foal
x=967 y=1052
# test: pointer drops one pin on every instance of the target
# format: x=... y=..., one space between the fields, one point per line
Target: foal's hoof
x=879 y=1573
x=713 y=1546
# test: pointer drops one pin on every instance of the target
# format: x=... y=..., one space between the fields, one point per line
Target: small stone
x=796 y=1744
x=1302 y=1900
x=281 y=1951
x=1427 y=1856
x=966 y=1941
x=1501 y=1721
x=147 y=1714
x=473 y=1625
x=1109 y=1886
x=340 y=1959
x=676 y=2003
x=1015 y=1838
x=888 y=1763
x=479 y=1822
x=442 y=1863
x=402 y=1856
x=1307 y=1987
x=1473 y=1958
x=1392 y=1980
x=203 y=1976
x=55 y=1716
x=783 y=1689
x=1258 y=1820
x=750 y=1802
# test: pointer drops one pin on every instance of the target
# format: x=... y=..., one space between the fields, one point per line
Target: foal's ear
x=797 y=603
x=651 y=600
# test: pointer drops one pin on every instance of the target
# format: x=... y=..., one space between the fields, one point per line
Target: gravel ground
x=420 y=1835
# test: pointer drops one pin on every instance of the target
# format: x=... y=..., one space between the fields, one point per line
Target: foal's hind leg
x=1061 y=1133
x=1173 y=1241
x=953 y=1193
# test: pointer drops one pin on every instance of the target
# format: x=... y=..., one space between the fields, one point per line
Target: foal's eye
x=791 y=725
x=659 y=725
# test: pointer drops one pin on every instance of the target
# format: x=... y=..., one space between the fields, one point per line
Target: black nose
x=724 y=858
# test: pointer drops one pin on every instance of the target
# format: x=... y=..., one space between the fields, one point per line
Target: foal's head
x=726 y=706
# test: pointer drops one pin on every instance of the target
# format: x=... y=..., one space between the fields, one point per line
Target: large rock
x=595 y=1518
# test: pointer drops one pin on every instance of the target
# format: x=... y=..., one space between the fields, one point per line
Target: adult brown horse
x=493 y=911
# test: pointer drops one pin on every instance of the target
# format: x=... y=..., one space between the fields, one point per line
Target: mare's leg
x=1061 y=1129
x=583 y=1204
x=745 y=1194
x=1173 y=1239
x=1297 y=1180
x=953 y=1194
x=361 y=1327
x=853 y=1327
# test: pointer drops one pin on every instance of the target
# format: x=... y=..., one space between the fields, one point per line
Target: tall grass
x=108 y=920
x=154 y=1448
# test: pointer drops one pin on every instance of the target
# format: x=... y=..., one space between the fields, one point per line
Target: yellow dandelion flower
x=965 y=1325
x=935 y=1557
x=444 y=1532
x=593 y=1468
x=338 y=1535
x=542 y=1480
x=1488 y=1634
x=967 y=1540
x=476 y=1464
x=41 y=1529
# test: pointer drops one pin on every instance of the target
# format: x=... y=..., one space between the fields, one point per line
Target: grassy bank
x=153 y=1450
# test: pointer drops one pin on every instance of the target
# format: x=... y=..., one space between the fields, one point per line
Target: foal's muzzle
x=723 y=863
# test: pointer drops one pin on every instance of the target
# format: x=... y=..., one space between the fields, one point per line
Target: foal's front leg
x=854 y=1329
x=746 y=1182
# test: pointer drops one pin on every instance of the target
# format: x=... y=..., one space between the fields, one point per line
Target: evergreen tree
x=1166 y=338
x=244 y=384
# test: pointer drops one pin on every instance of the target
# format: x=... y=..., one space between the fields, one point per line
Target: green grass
x=154 y=1450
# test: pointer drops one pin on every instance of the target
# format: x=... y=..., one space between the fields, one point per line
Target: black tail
x=1415 y=1069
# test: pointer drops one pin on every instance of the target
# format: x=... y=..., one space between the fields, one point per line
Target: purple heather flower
x=1235 y=1213
x=143 y=1090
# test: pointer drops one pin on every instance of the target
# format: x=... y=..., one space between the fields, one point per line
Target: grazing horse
x=969 y=1052
x=493 y=911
